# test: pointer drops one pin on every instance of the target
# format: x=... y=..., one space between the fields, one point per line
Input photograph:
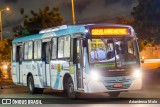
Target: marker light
x=137 y=73
x=95 y=75
x=86 y=30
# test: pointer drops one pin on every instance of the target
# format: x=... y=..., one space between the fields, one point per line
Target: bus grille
x=116 y=73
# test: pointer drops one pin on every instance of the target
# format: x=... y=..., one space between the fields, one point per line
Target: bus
x=90 y=58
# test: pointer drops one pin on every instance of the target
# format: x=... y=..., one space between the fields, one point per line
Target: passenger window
x=30 y=50
x=54 y=48
x=39 y=49
x=26 y=50
x=60 y=47
x=67 y=46
x=14 y=52
x=36 y=50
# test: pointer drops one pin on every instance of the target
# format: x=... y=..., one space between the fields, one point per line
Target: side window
x=60 y=47
x=14 y=52
x=26 y=50
x=30 y=50
x=130 y=47
x=54 y=48
x=37 y=49
x=28 y=53
x=67 y=46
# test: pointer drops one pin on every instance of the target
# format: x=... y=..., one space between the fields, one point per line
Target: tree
x=19 y=31
x=146 y=15
x=123 y=20
x=46 y=18
x=5 y=50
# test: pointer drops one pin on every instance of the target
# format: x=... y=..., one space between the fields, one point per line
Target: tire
x=39 y=90
x=114 y=94
x=32 y=88
x=64 y=93
x=70 y=89
x=30 y=84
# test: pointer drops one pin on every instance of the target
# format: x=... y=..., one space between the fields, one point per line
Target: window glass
x=26 y=50
x=67 y=46
x=60 y=47
x=35 y=49
x=14 y=52
x=54 y=48
x=130 y=47
x=39 y=49
x=47 y=52
x=30 y=47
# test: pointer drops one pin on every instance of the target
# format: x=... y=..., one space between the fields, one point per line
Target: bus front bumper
x=107 y=84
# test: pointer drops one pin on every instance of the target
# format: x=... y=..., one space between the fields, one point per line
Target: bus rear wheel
x=70 y=89
x=32 y=88
x=114 y=94
x=30 y=83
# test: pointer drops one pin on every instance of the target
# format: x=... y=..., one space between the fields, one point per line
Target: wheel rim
x=71 y=88
x=30 y=86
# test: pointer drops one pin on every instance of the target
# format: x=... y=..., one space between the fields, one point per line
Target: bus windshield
x=112 y=52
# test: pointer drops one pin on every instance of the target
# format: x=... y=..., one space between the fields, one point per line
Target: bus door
x=46 y=62
x=19 y=70
x=79 y=63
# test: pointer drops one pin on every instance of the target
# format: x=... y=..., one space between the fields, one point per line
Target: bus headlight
x=94 y=75
x=137 y=73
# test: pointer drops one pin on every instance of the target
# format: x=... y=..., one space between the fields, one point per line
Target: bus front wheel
x=114 y=94
x=70 y=89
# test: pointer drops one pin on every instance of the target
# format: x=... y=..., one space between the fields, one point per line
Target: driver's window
x=130 y=47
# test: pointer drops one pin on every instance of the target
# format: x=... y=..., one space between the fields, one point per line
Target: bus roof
x=63 y=30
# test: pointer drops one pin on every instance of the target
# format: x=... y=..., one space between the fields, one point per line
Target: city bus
x=90 y=58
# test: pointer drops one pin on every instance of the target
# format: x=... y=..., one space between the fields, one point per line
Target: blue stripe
x=57 y=81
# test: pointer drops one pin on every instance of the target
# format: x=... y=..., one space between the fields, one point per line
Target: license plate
x=118 y=85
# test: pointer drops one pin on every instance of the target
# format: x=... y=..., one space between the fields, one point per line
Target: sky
x=86 y=11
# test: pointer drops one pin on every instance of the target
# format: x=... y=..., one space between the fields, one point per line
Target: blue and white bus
x=91 y=58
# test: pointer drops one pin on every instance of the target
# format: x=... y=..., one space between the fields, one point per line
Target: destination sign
x=109 y=31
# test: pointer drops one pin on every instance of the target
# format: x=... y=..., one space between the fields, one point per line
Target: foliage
x=45 y=18
x=20 y=31
x=146 y=15
x=125 y=21
x=5 y=50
